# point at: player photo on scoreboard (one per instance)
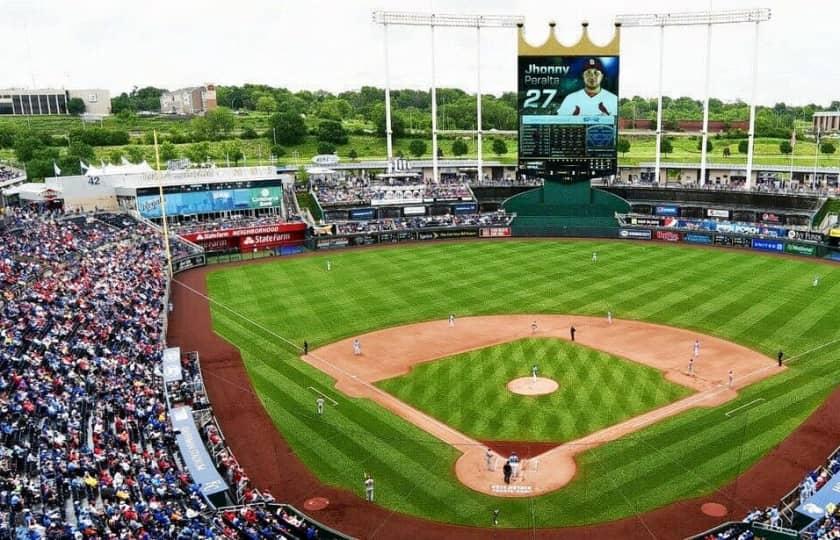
(568, 111)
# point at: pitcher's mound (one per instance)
(528, 386)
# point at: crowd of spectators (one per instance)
(8, 173)
(495, 219)
(87, 447)
(232, 222)
(356, 190)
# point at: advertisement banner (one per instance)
(494, 232)
(645, 221)
(194, 453)
(767, 245)
(204, 202)
(805, 236)
(568, 110)
(799, 249)
(269, 240)
(190, 261)
(203, 236)
(741, 241)
(667, 211)
(634, 234)
(471, 208)
(171, 366)
(441, 235)
(834, 233)
(414, 211)
(667, 236)
(696, 238)
(713, 212)
(723, 240)
(362, 214)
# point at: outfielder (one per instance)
(319, 405)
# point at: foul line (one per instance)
(334, 402)
(744, 405)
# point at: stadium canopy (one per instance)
(319, 170)
(34, 191)
(124, 168)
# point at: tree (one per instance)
(248, 133)
(168, 151)
(326, 148)
(266, 104)
(417, 147)
(199, 152)
(785, 147)
(82, 151)
(278, 151)
(332, 131)
(440, 151)
(26, 146)
(623, 145)
(352, 154)
(827, 148)
(726, 151)
(709, 145)
(459, 147)
(233, 152)
(76, 106)
(288, 127)
(135, 154)
(743, 146)
(667, 146)
(499, 147)
(115, 157)
(220, 121)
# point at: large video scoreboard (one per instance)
(568, 116)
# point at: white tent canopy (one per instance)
(125, 168)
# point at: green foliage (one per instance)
(397, 122)
(326, 147)
(331, 131)
(80, 150)
(278, 151)
(135, 154)
(459, 147)
(666, 146)
(827, 148)
(352, 154)
(289, 127)
(96, 136)
(198, 152)
(248, 133)
(140, 99)
(233, 152)
(743, 146)
(221, 121)
(76, 106)
(417, 147)
(623, 145)
(499, 147)
(168, 151)
(785, 147)
(709, 145)
(266, 104)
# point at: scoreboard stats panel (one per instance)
(568, 116)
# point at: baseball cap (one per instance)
(593, 63)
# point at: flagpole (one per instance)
(792, 150)
(162, 207)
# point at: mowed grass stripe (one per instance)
(726, 293)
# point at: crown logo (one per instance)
(584, 46)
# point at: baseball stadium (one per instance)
(561, 347)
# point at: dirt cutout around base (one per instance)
(532, 386)
(392, 352)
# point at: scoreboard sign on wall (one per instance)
(250, 238)
(568, 109)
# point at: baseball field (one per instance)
(765, 303)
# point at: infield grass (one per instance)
(760, 301)
(468, 391)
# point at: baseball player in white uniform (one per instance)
(696, 349)
(591, 100)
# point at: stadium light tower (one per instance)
(697, 18)
(406, 18)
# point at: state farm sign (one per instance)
(203, 236)
(261, 241)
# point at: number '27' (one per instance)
(532, 98)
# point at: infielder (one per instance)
(357, 347)
(534, 327)
(609, 317)
(731, 377)
(696, 349)
(451, 320)
(488, 458)
(534, 372)
(591, 100)
(691, 366)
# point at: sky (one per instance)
(334, 45)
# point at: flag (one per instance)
(83, 166)
(56, 169)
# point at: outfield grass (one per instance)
(467, 391)
(763, 302)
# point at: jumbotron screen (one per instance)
(568, 116)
